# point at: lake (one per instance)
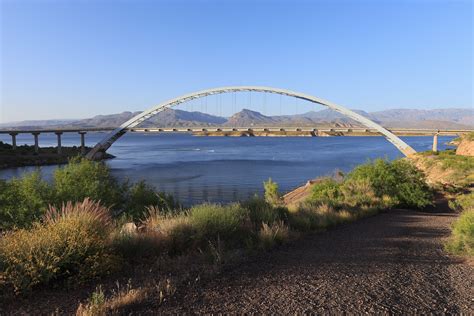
(223, 169)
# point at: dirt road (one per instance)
(393, 262)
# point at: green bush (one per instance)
(82, 178)
(359, 193)
(260, 211)
(400, 180)
(23, 200)
(272, 196)
(327, 190)
(71, 246)
(214, 221)
(141, 195)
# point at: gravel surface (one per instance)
(390, 263)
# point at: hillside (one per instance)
(396, 118)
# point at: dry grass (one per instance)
(71, 246)
(271, 235)
(123, 299)
(87, 210)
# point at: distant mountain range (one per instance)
(401, 118)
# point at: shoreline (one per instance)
(25, 156)
(291, 134)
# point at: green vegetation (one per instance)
(326, 191)
(79, 239)
(213, 221)
(462, 237)
(83, 178)
(271, 192)
(24, 200)
(398, 183)
(448, 168)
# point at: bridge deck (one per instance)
(403, 131)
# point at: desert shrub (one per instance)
(400, 180)
(23, 200)
(314, 217)
(272, 196)
(302, 220)
(462, 237)
(272, 235)
(327, 190)
(136, 246)
(214, 221)
(82, 178)
(141, 195)
(260, 211)
(328, 216)
(463, 202)
(305, 218)
(71, 246)
(176, 229)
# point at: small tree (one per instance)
(272, 196)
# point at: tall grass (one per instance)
(71, 246)
(212, 221)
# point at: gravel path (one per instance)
(390, 263)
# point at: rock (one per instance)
(129, 229)
(466, 146)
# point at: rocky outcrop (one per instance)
(466, 146)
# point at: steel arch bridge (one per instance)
(101, 147)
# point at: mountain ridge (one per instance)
(455, 118)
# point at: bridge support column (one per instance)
(36, 142)
(58, 134)
(435, 143)
(13, 135)
(83, 142)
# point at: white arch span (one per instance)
(107, 141)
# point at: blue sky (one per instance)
(76, 59)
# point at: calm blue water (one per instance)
(223, 169)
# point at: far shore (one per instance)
(292, 133)
(25, 155)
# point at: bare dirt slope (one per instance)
(393, 262)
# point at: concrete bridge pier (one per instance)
(83, 142)
(35, 134)
(58, 134)
(435, 142)
(13, 135)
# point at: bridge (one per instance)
(132, 124)
(356, 130)
(313, 131)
